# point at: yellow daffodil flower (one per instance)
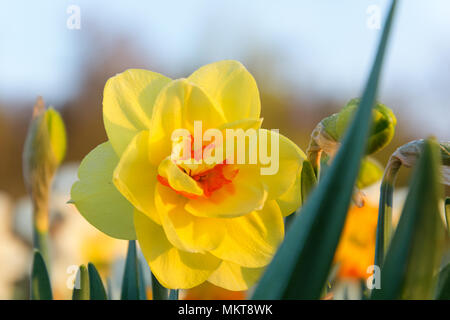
(218, 222)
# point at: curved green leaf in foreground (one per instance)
(300, 267)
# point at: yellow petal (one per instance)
(243, 124)
(177, 107)
(173, 268)
(128, 101)
(252, 240)
(97, 199)
(234, 277)
(178, 179)
(244, 195)
(135, 177)
(291, 200)
(232, 87)
(185, 231)
(290, 162)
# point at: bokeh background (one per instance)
(308, 57)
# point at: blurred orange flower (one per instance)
(356, 248)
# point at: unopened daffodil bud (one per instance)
(327, 136)
(383, 124)
(329, 133)
(408, 154)
(44, 150)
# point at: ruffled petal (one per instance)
(278, 178)
(291, 200)
(183, 230)
(232, 87)
(97, 198)
(245, 194)
(243, 124)
(178, 106)
(234, 277)
(136, 178)
(177, 179)
(251, 240)
(128, 101)
(173, 268)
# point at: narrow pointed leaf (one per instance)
(415, 250)
(130, 282)
(301, 266)
(81, 290)
(443, 288)
(40, 281)
(97, 290)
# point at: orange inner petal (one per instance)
(209, 180)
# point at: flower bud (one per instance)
(330, 131)
(408, 154)
(44, 149)
(382, 127)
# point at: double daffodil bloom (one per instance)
(219, 222)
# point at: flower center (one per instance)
(210, 177)
(215, 178)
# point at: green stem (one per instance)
(314, 154)
(384, 226)
(40, 242)
(40, 231)
(173, 295)
(159, 292)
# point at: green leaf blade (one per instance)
(40, 281)
(97, 290)
(300, 267)
(81, 291)
(443, 288)
(130, 282)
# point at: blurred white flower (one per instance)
(15, 258)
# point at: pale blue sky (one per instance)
(316, 47)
